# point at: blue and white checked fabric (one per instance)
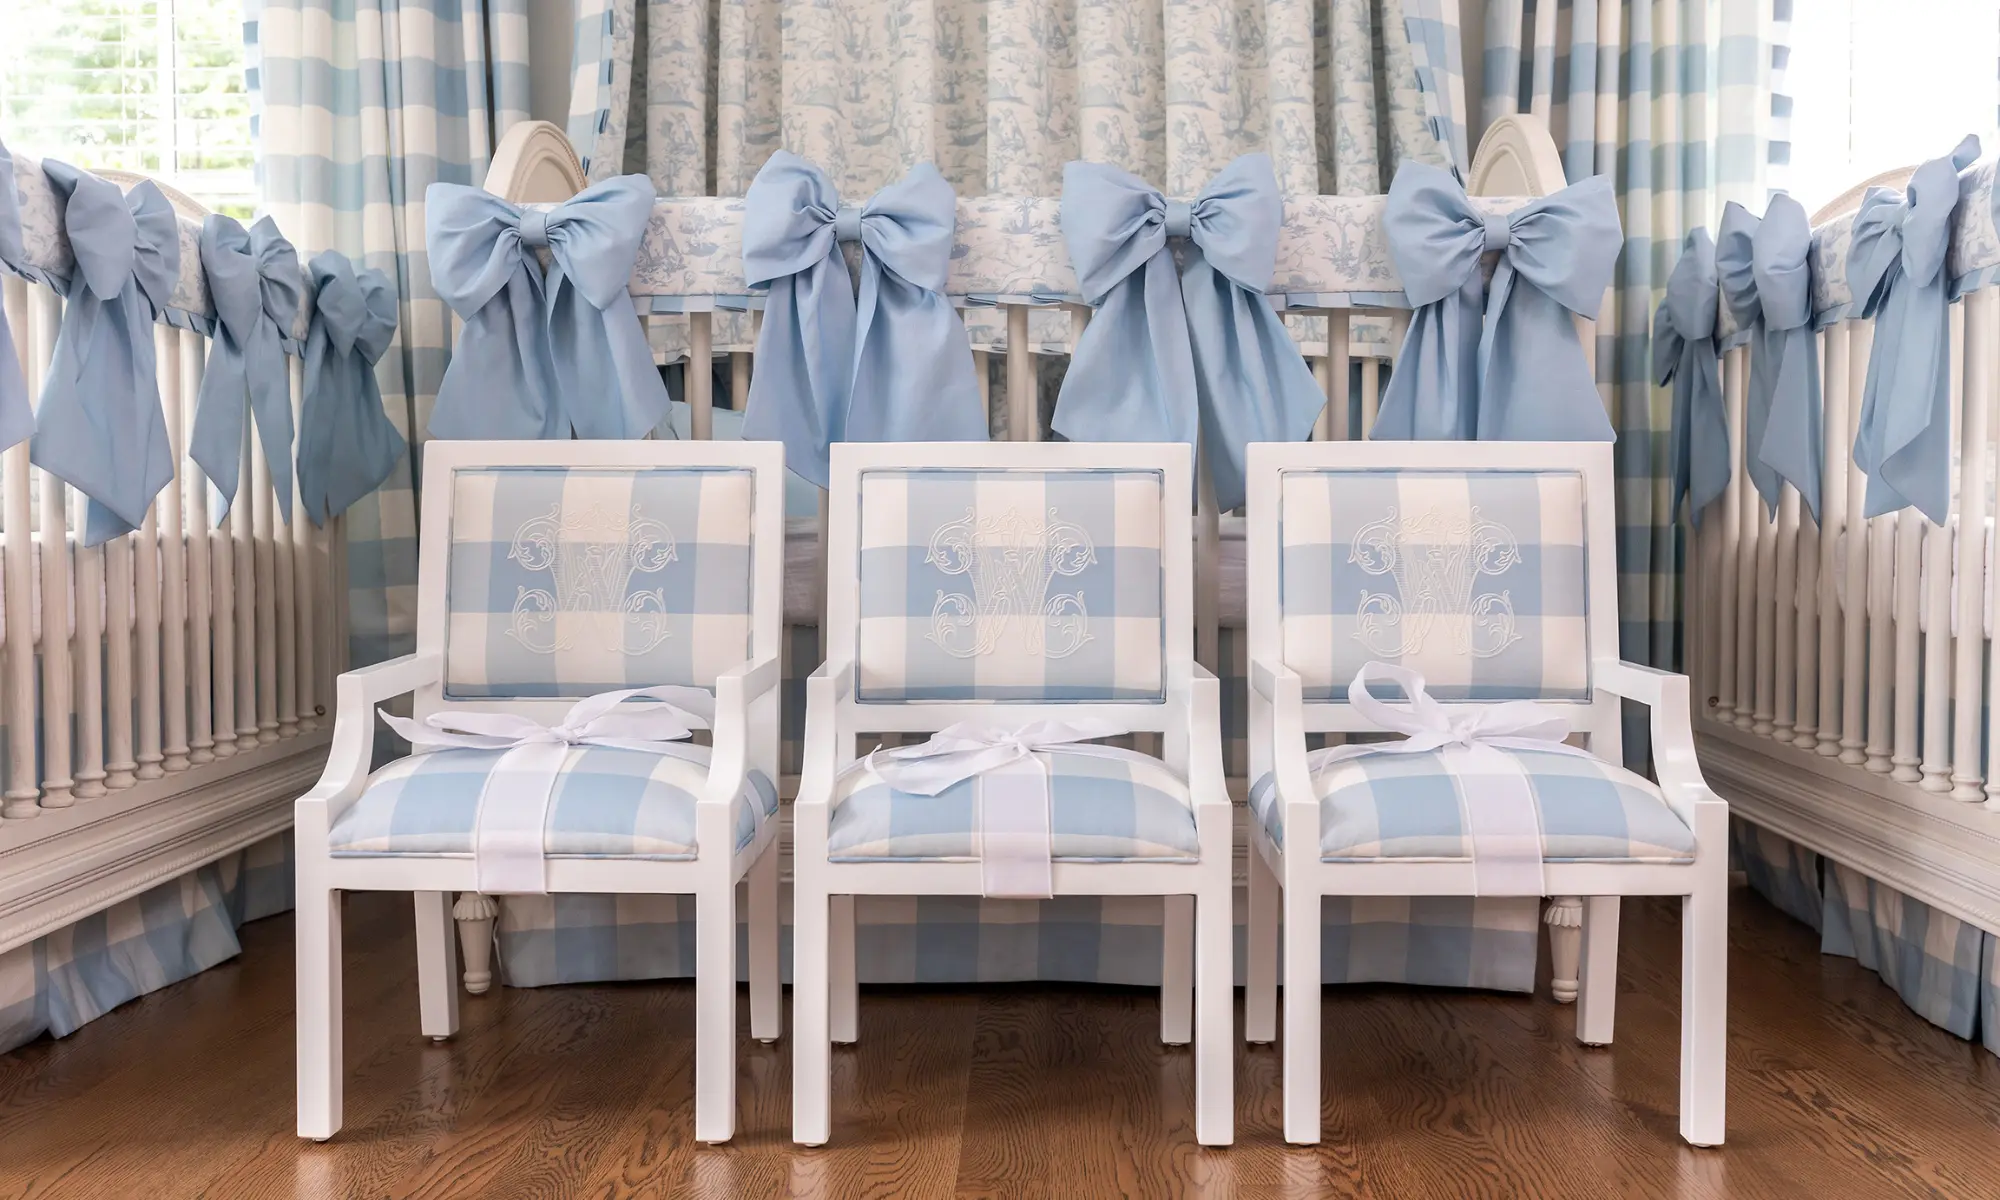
(608, 802)
(574, 581)
(357, 108)
(1011, 585)
(1105, 805)
(1412, 806)
(1931, 959)
(1782, 871)
(1476, 579)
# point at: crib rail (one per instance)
(1864, 642)
(186, 652)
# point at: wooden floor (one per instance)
(1835, 1091)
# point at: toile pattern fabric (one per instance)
(608, 802)
(1412, 807)
(1475, 579)
(1010, 585)
(567, 582)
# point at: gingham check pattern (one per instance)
(1433, 941)
(608, 803)
(357, 108)
(561, 581)
(1117, 806)
(1010, 585)
(1931, 959)
(1412, 806)
(1368, 562)
(168, 933)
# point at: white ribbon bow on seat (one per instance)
(1500, 810)
(1013, 824)
(508, 832)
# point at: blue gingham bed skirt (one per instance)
(65, 979)
(1940, 966)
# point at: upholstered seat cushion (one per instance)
(1407, 806)
(608, 803)
(1117, 807)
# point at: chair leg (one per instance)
(1704, 1004)
(845, 998)
(715, 1013)
(1214, 1042)
(812, 1047)
(437, 965)
(766, 1002)
(1302, 998)
(1260, 982)
(317, 920)
(1597, 997)
(1177, 971)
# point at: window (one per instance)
(152, 86)
(1882, 84)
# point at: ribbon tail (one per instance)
(216, 441)
(1132, 375)
(1792, 436)
(17, 412)
(270, 390)
(508, 849)
(798, 393)
(1503, 820)
(1015, 848)
(913, 378)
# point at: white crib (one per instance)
(162, 693)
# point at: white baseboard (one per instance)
(1926, 845)
(70, 862)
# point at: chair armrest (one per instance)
(356, 694)
(826, 689)
(1200, 695)
(1281, 687)
(729, 757)
(1667, 695)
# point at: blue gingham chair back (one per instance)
(565, 581)
(1010, 584)
(1477, 579)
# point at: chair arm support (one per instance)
(729, 757)
(1667, 695)
(1281, 688)
(356, 694)
(826, 690)
(1201, 703)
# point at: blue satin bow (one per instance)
(347, 444)
(1195, 355)
(1531, 382)
(897, 367)
(100, 427)
(542, 358)
(254, 280)
(1896, 268)
(17, 415)
(1766, 273)
(1684, 355)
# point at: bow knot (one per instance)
(513, 808)
(100, 427)
(1685, 356)
(1191, 352)
(1502, 818)
(894, 366)
(347, 444)
(1013, 810)
(1498, 364)
(1896, 269)
(1765, 270)
(544, 357)
(254, 280)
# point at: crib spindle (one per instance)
(284, 591)
(1785, 614)
(263, 564)
(209, 671)
(305, 632)
(243, 557)
(45, 312)
(120, 767)
(87, 655)
(1725, 656)
(22, 797)
(1938, 606)
(1335, 420)
(1023, 421)
(1856, 672)
(1736, 374)
(1977, 314)
(700, 376)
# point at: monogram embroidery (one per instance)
(1013, 560)
(592, 556)
(1437, 560)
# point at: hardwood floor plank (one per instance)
(1836, 1090)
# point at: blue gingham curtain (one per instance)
(1674, 99)
(359, 105)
